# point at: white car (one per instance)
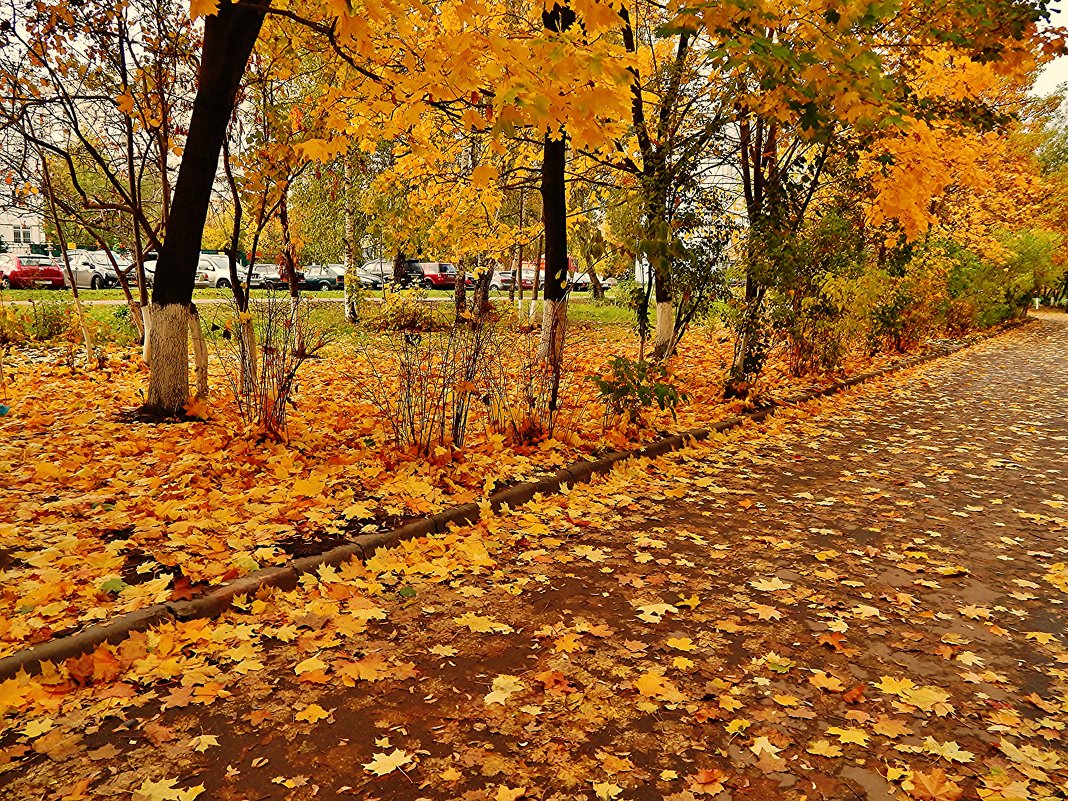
(213, 270)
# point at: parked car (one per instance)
(508, 278)
(25, 271)
(271, 277)
(429, 275)
(370, 280)
(382, 269)
(213, 270)
(580, 282)
(496, 280)
(607, 282)
(324, 277)
(92, 269)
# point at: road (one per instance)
(864, 599)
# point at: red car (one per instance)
(429, 275)
(25, 271)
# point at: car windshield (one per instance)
(448, 269)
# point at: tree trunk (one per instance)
(352, 278)
(596, 287)
(664, 338)
(146, 345)
(200, 351)
(169, 361)
(399, 265)
(289, 259)
(554, 205)
(229, 36)
(743, 367)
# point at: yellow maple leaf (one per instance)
(681, 644)
(825, 681)
(737, 726)
(310, 486)
(892, 686)
(825, 749)
(654, 685)
(312, 713)
(310, 664)
(504, 687)
(203, 742)
(850, 735)
(383, 763)
(203, 8)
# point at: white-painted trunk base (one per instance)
(146, 347)
(665, 329)
(553, 323)
(168, 373)
(200, 352)
(298, 329)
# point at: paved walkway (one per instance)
(861, 601)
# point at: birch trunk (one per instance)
(146, 347)
(200, 352)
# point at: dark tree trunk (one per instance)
(554, 218)
(229, 37)
(400, 265)
(459, 291)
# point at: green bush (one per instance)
(634, 385)
(47, 315)
(626, 294)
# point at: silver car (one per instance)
(92, 269)
(213, 270)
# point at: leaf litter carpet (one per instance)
(863, 598)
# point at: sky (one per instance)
(1056, 72)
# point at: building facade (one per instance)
(20, 229)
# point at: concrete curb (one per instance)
(219, 600)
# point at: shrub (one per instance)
(49, 315)
(627, 294)
(261, 351)
(632, 386)
(423, 383)
(405, 310)
(12, 326)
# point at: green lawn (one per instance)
(47, 315)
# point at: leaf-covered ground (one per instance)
(863, 600)
(103, 514)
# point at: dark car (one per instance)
(23, 271)
(370, 280)
(324, 277)
(429, 275)
(272, 277)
